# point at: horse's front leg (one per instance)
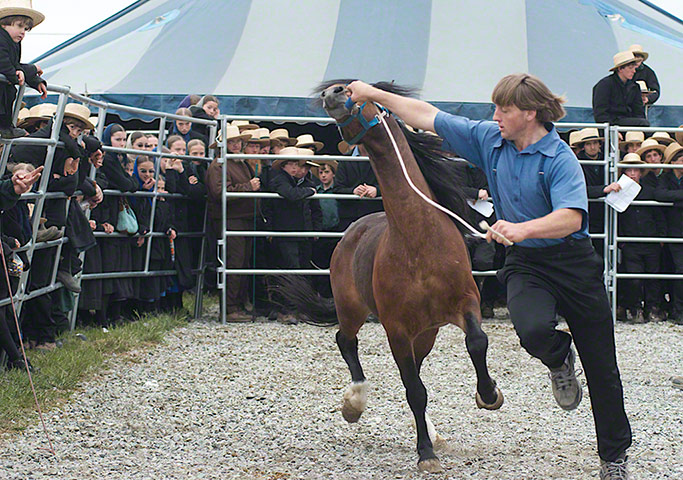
(488, 394)
(416, 393)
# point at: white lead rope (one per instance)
(474, 231)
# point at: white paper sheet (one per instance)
(622, 199)
(482, 206)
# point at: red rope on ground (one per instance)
(23, 352)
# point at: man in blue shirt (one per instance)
(539, 193)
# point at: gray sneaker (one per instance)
(616, 470)
(566, 388)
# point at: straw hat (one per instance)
(41, 111)
(243, 125)
(94, 120)
(231, 132)
(638, 50)
(306, 140)
(21, 117)
(632, 137)
(622, 58)
(679, 136)
(292, 151)
(651, 144)
(662, 137)
(9, 8)
(588, 134)
(574, 137)
(643, 86)
(671, 150)
(332, 163)
(79, 112)
(259, 135)
(632, 158)
(282, 135)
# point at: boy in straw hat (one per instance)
(616, 98)
(670, 189)
(645, 74)
(632, 142)
(640, 221)
(651, 151)
(16, 18)
(552, 266)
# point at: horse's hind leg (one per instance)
(488, 395)
(409, 364)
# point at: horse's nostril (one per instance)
(338, 89)
(322, 94)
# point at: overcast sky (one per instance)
(66, 18)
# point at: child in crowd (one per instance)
(324, 246)
(152, 142)
(183, 128)
(136, 141)
(15, 22)
(206, 109)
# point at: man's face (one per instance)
(265, 149)
(634, 174)
(326, 175)
(633, 147)
(291, 168)
(276, 147)
(17, 30)
(592, 148)
(512, 121)
(234, 145)
(252, 148)
(653, 156)
(627, 71)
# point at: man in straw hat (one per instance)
(540, 197)
(279, 139)
(616, 98)
(651, 151)
(240, 178)
(16, 18)
(670, 189)
(645, 74)
(632, 142)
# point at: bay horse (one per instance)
(408, 265)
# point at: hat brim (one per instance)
(249, 126)
(589, 139)
(316, 145)
(625, 62)
(659, 148)
(260, 141)
(288, 141)
(645, 55)
(664, 140)
(278, 163)
(633, 163)
(34, 15)
(88, 125)
(672, 154)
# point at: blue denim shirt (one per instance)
(542, 178)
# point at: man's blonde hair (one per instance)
(528, 92)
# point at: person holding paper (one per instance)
(640, 298)
(539, 194)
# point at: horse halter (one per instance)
(367, 125)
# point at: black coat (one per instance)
(198, 129)
(670, 189)
(55, 209)
(10, 57)
(595, 188)
(642, 220)
(648, 75)
(618, 103)
(349, 176)
(294, 212)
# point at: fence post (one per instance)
(222, 243)
(612, 213)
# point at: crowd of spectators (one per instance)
(100, 225)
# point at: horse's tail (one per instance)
(296, 292)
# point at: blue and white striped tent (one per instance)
(263, 57)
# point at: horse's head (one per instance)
(353, 120)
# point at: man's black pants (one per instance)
(567, 279)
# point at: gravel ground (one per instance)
(262, 401)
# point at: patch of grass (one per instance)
(61, 371)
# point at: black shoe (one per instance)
(68, 281)
(12, 132)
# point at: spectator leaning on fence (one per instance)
(616, 98)
(15, 22)
(239, 178)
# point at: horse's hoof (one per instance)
(431, 465)
(350, 414)
(490, 406)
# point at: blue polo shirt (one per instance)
(542, 178)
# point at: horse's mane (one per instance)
(443, 176)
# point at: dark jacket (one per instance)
(670, 189)
(618, 103)
(198, 129)
(239, 173)
(642, 220)
(595, 186)
(294, 212)
(349, 176)
(10, 57)
(648, 75)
